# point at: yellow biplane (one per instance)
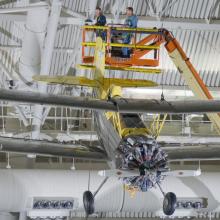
(130, 147)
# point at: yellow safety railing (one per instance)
(147, 47)
(127, 29)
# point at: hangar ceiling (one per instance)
(194, 23)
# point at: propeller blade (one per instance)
(183, 173)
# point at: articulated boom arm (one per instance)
(147, 46)
(191, 76)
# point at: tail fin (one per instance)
(99, 62)
(99, 59)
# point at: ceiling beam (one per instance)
(13, 17)
(180, 23)
(169, 23)
(19, 47)
(22, 9)
(144, 21)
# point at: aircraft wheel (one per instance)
(169, 203)
(88, 202)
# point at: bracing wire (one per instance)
(89, 177)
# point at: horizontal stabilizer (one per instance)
(123, 68)
(83, 81)
(66, 80)
(129, 82)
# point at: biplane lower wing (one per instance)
(193, 153)
(46, 148)
(53, 149)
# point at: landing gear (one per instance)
(88, 202)
(169, 203)
(89, 198)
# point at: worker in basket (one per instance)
(131, 22)
(100, 21)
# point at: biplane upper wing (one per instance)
(116, 105)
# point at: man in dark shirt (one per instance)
(100, 21)
(100, 18)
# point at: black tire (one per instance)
(88, 202)
(169, 203)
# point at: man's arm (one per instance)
(134, 21)
(131, 21)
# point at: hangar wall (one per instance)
(18, 188)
